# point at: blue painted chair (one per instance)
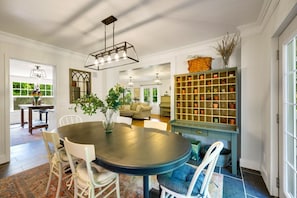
(191, 181)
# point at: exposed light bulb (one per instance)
(96, 62)
(124, 55)
(116, 57)
(108, 59)
(102, 60)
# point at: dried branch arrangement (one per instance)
(226, 46)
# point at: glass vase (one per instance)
(108, 122)
(35, 100)
(226, 61)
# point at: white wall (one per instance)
(260, 92)
(19, 48)
(257, 66)
(4, 111)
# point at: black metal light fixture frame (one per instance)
(117, 55)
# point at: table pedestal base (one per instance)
(146, 187)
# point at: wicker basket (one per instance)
(199, 64)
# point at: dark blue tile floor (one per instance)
(247, 184)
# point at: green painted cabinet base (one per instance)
(212, 131)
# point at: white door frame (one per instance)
(4, 107)
(154, 105)
(287, 35)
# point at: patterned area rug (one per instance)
(32, 184)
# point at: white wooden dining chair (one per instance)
(58, 160)
(69, 119)
(125, 120)
(88, 176)
(155, 125)
(189, 180)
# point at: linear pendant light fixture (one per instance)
(117, 55)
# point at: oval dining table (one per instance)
(131, 149)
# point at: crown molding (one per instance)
(266, 12)
(19, 40)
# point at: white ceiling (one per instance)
(150, 25)
(145, 75)
(23, 68)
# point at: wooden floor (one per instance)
(136, 122)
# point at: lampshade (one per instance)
(117, 55)
(38, 73)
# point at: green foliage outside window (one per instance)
(25, 89)
(155, 95)
(127, 97)
(22, 91)
(146, 94)
(22, 88)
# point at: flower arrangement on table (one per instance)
(89, 104)
(36, 96)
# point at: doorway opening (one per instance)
(25, 86)
(148, 84)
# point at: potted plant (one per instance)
(89, 104)
(226, 46)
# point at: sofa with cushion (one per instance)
(137, 110)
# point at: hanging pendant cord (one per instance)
(113, 34)
(105, 38)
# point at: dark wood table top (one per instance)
(135, 150)
(42, 106)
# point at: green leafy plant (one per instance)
(89, 104)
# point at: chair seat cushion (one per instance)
(102, 177)
(63, 155)
(179, 180)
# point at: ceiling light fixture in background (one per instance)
(157, 80)
(117, 55)
(130, 84)
(38, 73)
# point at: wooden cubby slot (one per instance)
(209, 96)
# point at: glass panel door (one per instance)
(288, 123)
(290, 126)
